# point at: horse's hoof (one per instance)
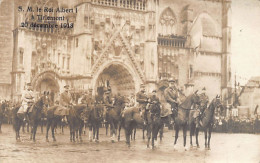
(97, 141)
(148, 146)
(186, 148)
(198, 146)
(47, 140)
(174, 148)
(90, 140)
(54, 140)
(112, 141)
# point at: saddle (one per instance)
(61, 111)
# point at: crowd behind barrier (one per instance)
(235, 125)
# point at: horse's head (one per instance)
(196, 98)
(216, 103)
(45, 100)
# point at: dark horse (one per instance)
(207, 119)
(114, 116)
(34, 116)
(76, 119)
(182, 118)
(133, 117)
(94, 121)
(3, 111)
(52, 121)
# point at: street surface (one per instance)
(224, 148)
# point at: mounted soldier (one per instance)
(65, 97)
(152, 101)
(142, 100)
(28, 98)
(171, 95)
(204, 104)
(65, 103)
(108, 101)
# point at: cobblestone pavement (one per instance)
(224, 148)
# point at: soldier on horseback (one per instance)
(65, 101)
(108, 103)
(27, 100)
(154, 100)
(204, 104)
(171, 95)
(142, 100)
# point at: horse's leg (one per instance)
(35, 129)
(161, 132)
(184, 136)
(106, 126)
(47, 129)
(23, 125)
(148, 135)
(80, 132)
(41, 126)
(209, 137)
(176, 135)
(119, 129)
(143, 131)
(127, 135)
(112, 131)
(90, 132)
(134, 133)
(53, 126)
(97, 132)
(0, 127)
(197, 137)
(28, 127)
(205, 133)
(94, 131)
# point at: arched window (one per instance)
(167, 22)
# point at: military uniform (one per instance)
(64, 103)
(154, 100)
(108, 103)
(204, 102)
(65, 99)
(142, 99)
(27, 100)
(171, 96)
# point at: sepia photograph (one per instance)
(129, 81)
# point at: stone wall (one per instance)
(6, 40)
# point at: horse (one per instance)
(3, 111)
(76, 119)
(182, 118)
(94, 121)
(133, 117)
(114, 116)
(34, 116)
(52, 121)
(207, 122)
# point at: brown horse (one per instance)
(94, 121)
(114, 116)
(76, 119)
(207, 119)
(52, 121)
(34, 116)
(182, 118)
(133, 117)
